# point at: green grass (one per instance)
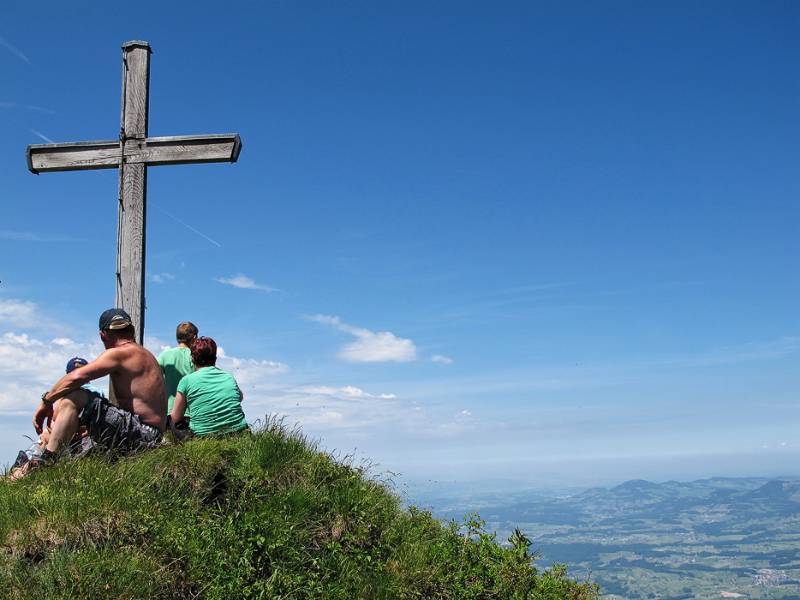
(262, 515)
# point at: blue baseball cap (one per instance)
(74, 363)
(114, 318)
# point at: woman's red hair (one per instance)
(204, 352)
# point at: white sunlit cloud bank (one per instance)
(29, 366)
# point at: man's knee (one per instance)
(78, 398)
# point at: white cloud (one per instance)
(347, 391)
(18, 313)
(370, 346)
(29, 366)
(24, 314)
(30, 363)
(154, 344)
(320, 409)
(161, 277)
(441, 359)
(251, 372)
(462, 423)
(245, 283)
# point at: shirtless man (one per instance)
(138, 387)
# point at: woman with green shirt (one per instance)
(211, 395)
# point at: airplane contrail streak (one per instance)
(43, 136)
(14, 50)
(189, 227)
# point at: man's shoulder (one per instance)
(132, 352)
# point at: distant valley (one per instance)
(712, 538)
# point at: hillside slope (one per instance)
(251, 516)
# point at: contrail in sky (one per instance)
(14, 50)
(189, 227)
(41, 109)
(43, 136)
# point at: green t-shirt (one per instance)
(214, 399)
(175, 363)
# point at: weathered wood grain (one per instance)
(132, 153)
(73, 156)
(105, 154)
(183, 150)
(133, 187)
(131, 245)
(137, 85)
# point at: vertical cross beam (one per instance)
(132, 208)
(132, 153)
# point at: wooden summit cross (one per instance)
(131, 154)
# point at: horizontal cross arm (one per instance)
(185, 149)
(73, 156)
(151, 151)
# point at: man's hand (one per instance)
(43, 416)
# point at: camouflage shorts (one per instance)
(114, 428)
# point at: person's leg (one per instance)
(65, 427)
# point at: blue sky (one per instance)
(536, 241)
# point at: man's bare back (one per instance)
(138, 383)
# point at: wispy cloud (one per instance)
(28, 236)
(160, 277)
(539, 299)
(14, 50)
(186, 225)
(347, 391)
(244, 282)
(18, 313)
(740, 353)
(370, 346)
(42, 136)
(441, 359)
(24, 314)
(33, 107)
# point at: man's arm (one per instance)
(103, 365)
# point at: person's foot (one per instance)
(45, 459)
(22, 458)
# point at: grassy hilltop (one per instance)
(251, 516)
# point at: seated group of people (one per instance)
(182, 390)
